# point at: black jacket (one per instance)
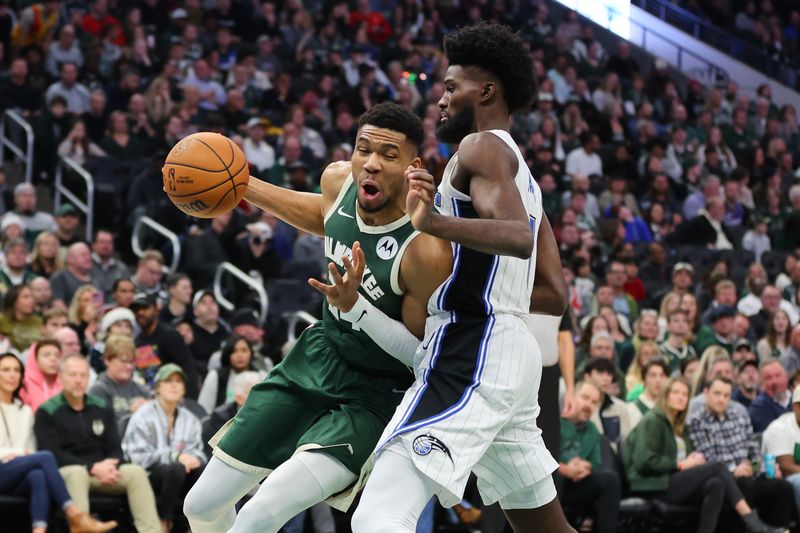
(166, 345)
(75, 437)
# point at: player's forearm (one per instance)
(390, 335)
(299, 209)
(566, 358)
(497, 237)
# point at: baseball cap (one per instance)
(245, 317)
(142, 299)
(722, 311)
(743, 343)
(297, 165)
(796, 394)
(747, 362)
(260, 229)
(166, 371)
(66, 209)
(179, 13)
(200, 294)
(545, 96)
(682, 265)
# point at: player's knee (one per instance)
(365, 520)
(199, 506)
(256, 516)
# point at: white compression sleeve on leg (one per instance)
(394, 497)
(305, 479)
(209, 506)
(391, 335)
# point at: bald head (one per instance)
(79, 259)
(69, 341)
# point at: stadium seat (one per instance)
(773, 263)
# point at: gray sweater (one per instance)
(118, 396)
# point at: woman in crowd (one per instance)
(645, 329)
(18, 322)
(710, 357)
(42, 379)
(23, 470)
(116, 385)
(83, 315)
(45, 257)
(78, 146)
(776, 340)
(659, 462)
(634, 382)
(595, 324)
(622, 342)
(117, 321)
(689, 368)
(166, 439)
(688, 302)
(217, 389)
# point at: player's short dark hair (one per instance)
(498, 50)
(397, 118)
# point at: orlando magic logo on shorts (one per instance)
(425, 444)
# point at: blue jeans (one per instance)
(35, 475)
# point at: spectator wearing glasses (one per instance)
(116, 386)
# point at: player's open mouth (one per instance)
(442, 118)
(369, 191)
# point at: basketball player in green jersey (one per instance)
(311, 425)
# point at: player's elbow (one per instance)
(523, 248)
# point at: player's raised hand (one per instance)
(343, 293)
(419, 200)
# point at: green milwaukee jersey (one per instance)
(383, 249)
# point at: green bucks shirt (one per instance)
(383, 249)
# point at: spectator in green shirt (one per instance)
(581, 481)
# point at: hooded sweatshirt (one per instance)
(37, 389)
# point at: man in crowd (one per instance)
(614, 418)
(720, 332)
(722, 435)
(582, 483)
(106, 269)
(774, 399)
(676, 348)
(77, 272)
(178, 306)
(209, 331)
(782, 439)
(791, 358)
(148, 274)
(158, 343)
(725, 293)
(748, 380)
(82, 434)
(15, 271)
(245, 322)
(34, 221)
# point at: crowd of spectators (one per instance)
(675, 207)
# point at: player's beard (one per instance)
(456, 127)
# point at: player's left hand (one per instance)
(343, 294)
(419, 201)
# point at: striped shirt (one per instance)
(727, 439)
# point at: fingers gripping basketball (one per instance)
(205, 175)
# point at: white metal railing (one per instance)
(263, 299)
(147, 222)
(88, 206)
(25, 154)
(295, 317)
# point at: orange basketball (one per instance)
(205, 175)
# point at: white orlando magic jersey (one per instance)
(484, 284)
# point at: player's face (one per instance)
(457, 104)
(379, 161)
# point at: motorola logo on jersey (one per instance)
(425, 444)
(387, 247)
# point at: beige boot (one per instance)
(83, 523)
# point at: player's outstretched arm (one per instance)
(503, 227)
(550, 295)
(305, 211)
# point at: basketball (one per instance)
(205, 175)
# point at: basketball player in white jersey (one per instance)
(473, 405)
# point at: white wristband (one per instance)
(391, 335)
